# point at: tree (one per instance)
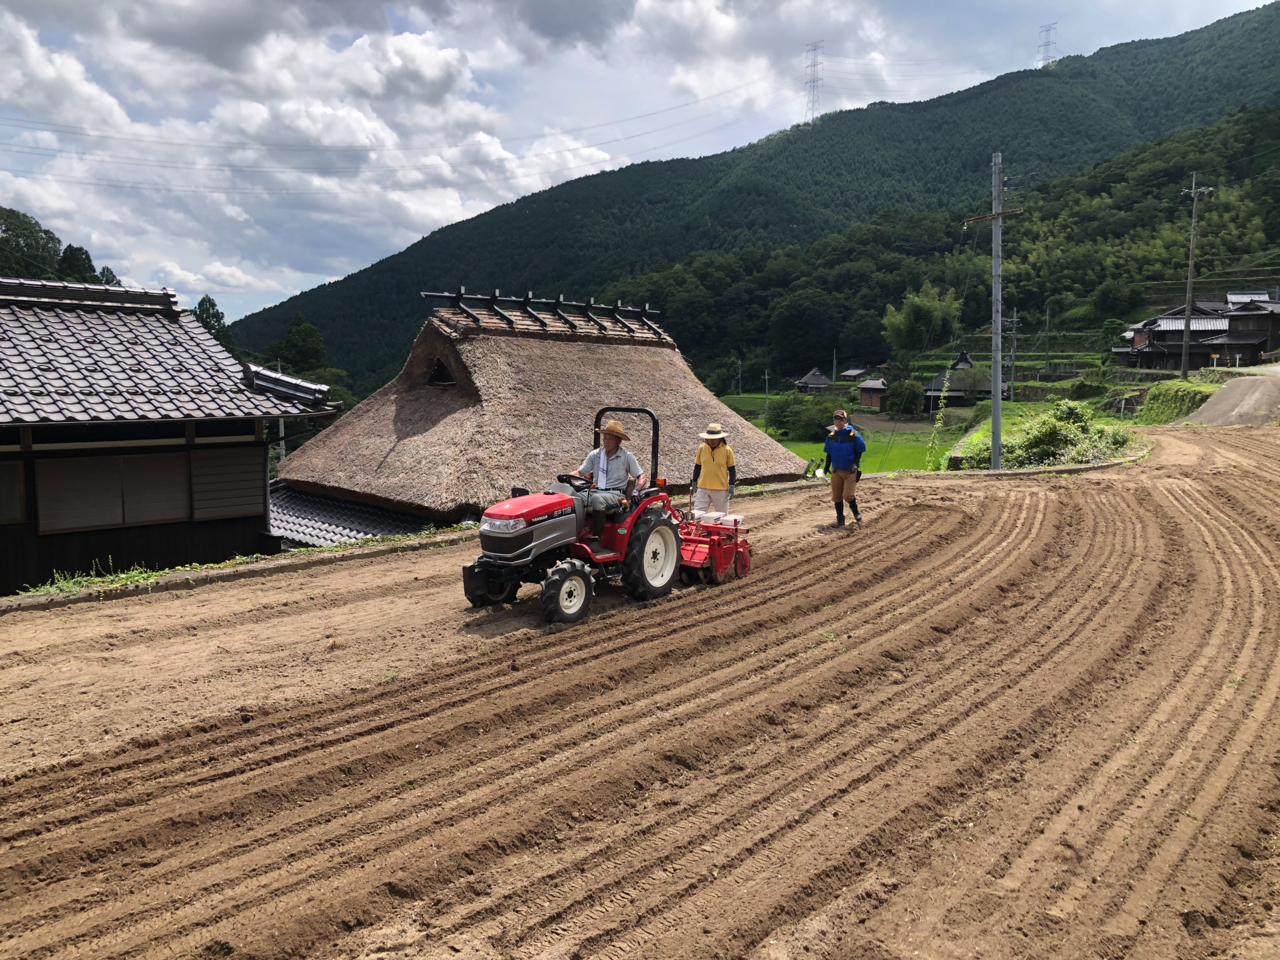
(1113, 299)
(804, 328)
(338, 382)
(1108, 337)
(1111, 331)
(215, 321)
(28, 249)
(906, 397)
(924, 320)
(108, 277)
(303, 345)
(75, 264)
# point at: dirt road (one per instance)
(1005, 719)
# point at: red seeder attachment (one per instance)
(715, 548)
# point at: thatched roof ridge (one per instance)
(518, 412)
(468, 314)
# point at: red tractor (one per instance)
(544, 538)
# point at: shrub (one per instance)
(977, 455)
(1171, 400)
(906, 397)
(1082, 390)
(1071, 411)
(1066, 434)
(1044, 441)
(803, 417)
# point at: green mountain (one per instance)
(1086, 249)
(798, 184)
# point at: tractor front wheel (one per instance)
(653, 556)
(567, 592)
(495, 594)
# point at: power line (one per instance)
(885, 60)
(23, 123)
(813, 85)
(54, 153)
(260, 192)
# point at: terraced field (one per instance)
(1005, 718)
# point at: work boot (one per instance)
(857, 514)
(597, 530)
(839, 515)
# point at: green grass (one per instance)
(886, 450)
(904, 452)
(112, 579)
(1171, 400)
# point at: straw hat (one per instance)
(614, 427)
(714, 432)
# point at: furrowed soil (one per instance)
(1004, 718)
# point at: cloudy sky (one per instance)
(251, 149)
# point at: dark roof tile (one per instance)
(321, 521)
(140, 357)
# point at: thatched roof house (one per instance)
(500, 391)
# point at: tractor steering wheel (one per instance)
(579, 484)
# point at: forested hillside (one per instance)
(1087, 248)
(799, 184)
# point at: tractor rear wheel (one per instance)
(567, 592)
(653, 556)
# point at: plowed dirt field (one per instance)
(1004, 719)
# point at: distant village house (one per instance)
(874, 393)
(1234, 332)
(812, 382)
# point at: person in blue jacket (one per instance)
(844, 449)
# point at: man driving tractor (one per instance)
(610, 467)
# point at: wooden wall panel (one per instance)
(228, 483)
(11, 493)
(79, 493)
(157, 488)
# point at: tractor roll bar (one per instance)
(595, 437)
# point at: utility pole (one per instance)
(1196, 193)
(833, 366)
(280, 423)
(1046, 341)
(739, 378)
(996, 216)
(766, 402)
(997, 375)
(1013, 357)
(813, 82)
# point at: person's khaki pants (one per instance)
(844, 485)
(712, 501)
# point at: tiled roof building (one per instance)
(128, 435)
(1236, 331)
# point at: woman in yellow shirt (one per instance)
(715, 472)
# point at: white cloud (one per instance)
(256, 149)
(226, 277)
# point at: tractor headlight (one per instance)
(497, 525)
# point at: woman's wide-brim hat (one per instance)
(714, 432)
(614, 427)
